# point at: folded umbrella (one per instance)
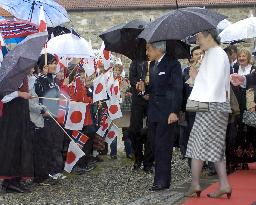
(70, 45)
(240, 30)
(29, 10)
(18, 62)
(181, 23)
(123, 39)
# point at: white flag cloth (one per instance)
(106, 56)
(99, 89)
(104, 126)
(76, 116)
(42, 21)
(114, 109)
(89, 66)
(73, 155)
(112, 134)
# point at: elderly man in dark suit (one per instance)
(165, 99)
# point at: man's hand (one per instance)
(237, 79)
(172, 118)
(146, 97)
(25, 95)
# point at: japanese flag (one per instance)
(115, 91)
(106, 56)
(114, 109)
(73, 155)
(100, 90)
(42, 21)
(104, 126)
(112, 134)
(76, 116)
(89, 66)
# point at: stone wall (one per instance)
(91, 23)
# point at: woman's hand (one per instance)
(237, 79)
(193, 72)
(25, 95)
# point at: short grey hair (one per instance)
(160, 45)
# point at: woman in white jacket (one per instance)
(207, 138)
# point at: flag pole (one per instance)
(51, 115)
(55, 99)
(45, 54)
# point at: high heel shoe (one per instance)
(220, 193)
(192, 191)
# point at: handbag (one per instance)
(249, 118)
(196, 106)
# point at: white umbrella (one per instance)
(224, 24)
(70, 45)
(240, 30)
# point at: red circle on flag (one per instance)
(111, 134)
(106, 54)
(70, 157)
(113, 109)
(76, 117)
(116, 90)
(99, 88)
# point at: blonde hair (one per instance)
(247, 53)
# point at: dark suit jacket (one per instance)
(137, 72)
(165, 90)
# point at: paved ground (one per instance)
(112, 183)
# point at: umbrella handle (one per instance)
(45, 54)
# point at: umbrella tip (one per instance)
(177, 5)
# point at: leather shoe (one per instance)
(11, 188)
(148, 170)
(136, 167)
(158, 188)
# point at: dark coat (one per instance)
(165, 90)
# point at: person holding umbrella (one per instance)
(207, 138)
(165, 99)
(16, 143)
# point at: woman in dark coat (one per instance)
(16, 146)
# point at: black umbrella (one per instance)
(60, 30)
(18, 62)
(123, 39)
(181, 23)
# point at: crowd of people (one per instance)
(200, 109)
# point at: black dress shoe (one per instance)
(136, 167)
(11, 188)
(158, 188)
(148, 170)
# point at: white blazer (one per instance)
(212, 83)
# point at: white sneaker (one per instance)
(58, 176)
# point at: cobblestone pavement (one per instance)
(112, 182)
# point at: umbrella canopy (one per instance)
(18, 62)
(29, 10)
(240, 30)
(123, 39)
(17, 28)
(70, 45)
(181, 23)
